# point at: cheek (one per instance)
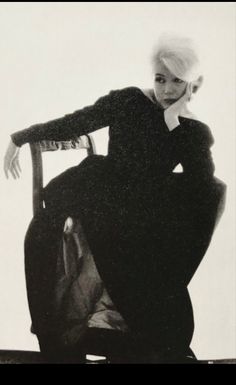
(158, 89)
(181, 90)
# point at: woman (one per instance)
(147, 227)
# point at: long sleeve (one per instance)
(193, 196)
(196, 158)
(80, 122)
(190, 143)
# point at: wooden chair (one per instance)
(83, 142)
(37, 148)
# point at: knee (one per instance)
(44, 229)
(39, 229)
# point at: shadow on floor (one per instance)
(31, 357)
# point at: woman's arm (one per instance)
(195, 154)
(189, 140)
(190, 145)
(80, 122)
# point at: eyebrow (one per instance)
(157, 74)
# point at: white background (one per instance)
(59, 57)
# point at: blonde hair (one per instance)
(179, 55)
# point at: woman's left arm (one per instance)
(195, 152)
(190, 145)
(190, 140)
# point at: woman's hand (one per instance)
(172, 113)
(11, 160)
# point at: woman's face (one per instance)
(167, 87)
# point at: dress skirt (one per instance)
(148, 234)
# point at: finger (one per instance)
(6, 172)
(184, 98)
(5, 168)
(18, 164)
(190, 89)
(188, 92)
(185, 95)
(13, 173)
(15, 170)
(11, 169)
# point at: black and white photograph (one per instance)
(117, 209)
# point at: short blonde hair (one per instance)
(179, 55)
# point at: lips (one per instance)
(169, 101)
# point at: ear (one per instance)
(197, 84)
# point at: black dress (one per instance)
(148, 228)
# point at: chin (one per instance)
(162, 105)
(167, 104)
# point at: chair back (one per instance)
(37, 148)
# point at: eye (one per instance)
(179, 81)
(159, 79)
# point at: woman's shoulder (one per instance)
(126, 99)
(197, 130)
(126, 92)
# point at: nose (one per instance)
(168, 89)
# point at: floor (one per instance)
(30, 357)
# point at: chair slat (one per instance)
(37, 148)
(81, 142)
